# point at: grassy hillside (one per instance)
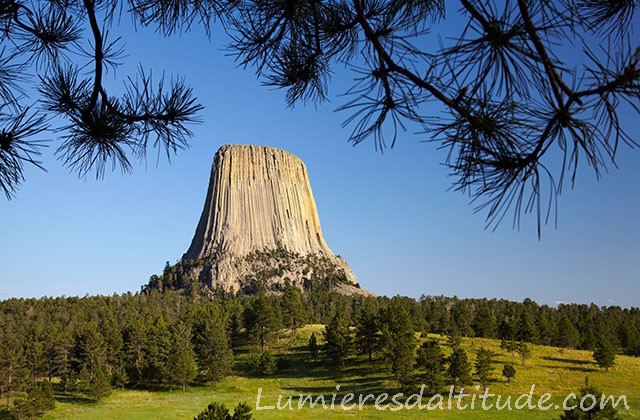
(550, 369)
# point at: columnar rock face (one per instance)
(260, 225)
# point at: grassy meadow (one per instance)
(553, 370)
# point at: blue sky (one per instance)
(389, 215)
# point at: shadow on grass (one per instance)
(570, 361)
(571, 368)
(75, 399)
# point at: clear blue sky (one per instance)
(390, 216)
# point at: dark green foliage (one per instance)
(214, 411)
(242, 412)
(459, 369)
(568, 335)
(484, 366)
(508, 371)
(264, 363)
(338, 339)
(484, 321)
(508, 345)
(430, 362)
(94, 377)
(462, 318)
(596, 412)
(368, 329)
(261, 321)
(453, 339)
(157, 346)
(312, 346)
(35, 402)
(526, 329)
(212, 344)
(605, 354)
(14, 376)
(136, 349)
(293, 314)
(398, 342)
(93, 343)
(181, 362)
(217, 411)
(523, 350)
(60, 354)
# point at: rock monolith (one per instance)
(260, 226)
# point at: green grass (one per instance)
(550, 369)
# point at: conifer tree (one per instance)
(313, 346)
(430, 361)
(484, 321)
(94, 376)
(261, 321)
(459, 369)
(598, 411)
(523, 350)
(60, 354)
(157, 347)
(292, 308)
(181, 367)
(399, 342)
(338, 339)
(605, 354)
(484, 361)
(368, 330)
(568, 335)
(212, 346)
(242, 412)
(508, 371)
(14, 375)
(135, 347)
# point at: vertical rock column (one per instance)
(259, 200)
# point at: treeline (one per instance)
(171, 339)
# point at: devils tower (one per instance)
(260, 227)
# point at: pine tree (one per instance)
(212, 346)
(261, 321)
(338, 339)
(523, 350)
(508, 371)
(459, 369)
(135, 347)
(242, 412)
(597, 411)
(399, 342)
(527, 330)
(265, 363)
(484, 362)
(182, 368)
(462, 317)
(367, 330)
(313, 346)
(157, 347)
(217, 411)
(568, 335)
(605, 354)
(94, 376)
(14, 376)
(484, 321)
(36, 349)
(292, 308)
(430, 361)
(214, 411)
(60, 355)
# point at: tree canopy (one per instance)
(522, 94)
